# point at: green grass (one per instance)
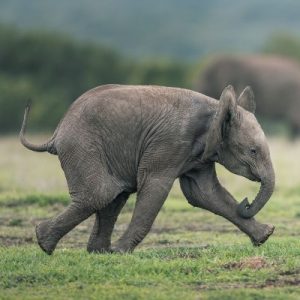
(189, 254)
(158, 273)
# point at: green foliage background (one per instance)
(54, 70)
(65, 48)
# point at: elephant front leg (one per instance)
(202, 189)
(150, 199)
(100, 239)
(222, 203)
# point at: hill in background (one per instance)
(171, 28)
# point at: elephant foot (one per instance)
(43, 237)
(99, 249)
(98, 244)
(122, 249)
(267, 232)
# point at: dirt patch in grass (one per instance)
(267, 285)
(8, 241)
(254, 263)
(227, 228)
(285, 278)
(282, 281)
(158, 230)
(290, 272)
(73, 242)
(279, 281)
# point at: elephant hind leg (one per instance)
(49, 232)
(87, 197)
(100, 239)
(91, 188)
(84, 204)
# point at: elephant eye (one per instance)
(253, 151)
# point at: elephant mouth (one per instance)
(255, 178)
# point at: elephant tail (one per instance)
(47, 146)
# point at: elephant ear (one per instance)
(224, 118)
(246, 100)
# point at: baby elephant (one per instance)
(116, 140)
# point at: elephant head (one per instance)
(236, 140)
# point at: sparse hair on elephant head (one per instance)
(236, 140)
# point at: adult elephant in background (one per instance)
(275, 80)
(116, 140)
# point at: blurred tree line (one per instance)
(53, 70)
(283, 44)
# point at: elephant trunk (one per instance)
(247, 210)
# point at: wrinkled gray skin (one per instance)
(116, 140)
(275, 80)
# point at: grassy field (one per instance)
(189, 254)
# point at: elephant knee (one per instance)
(194, 202)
